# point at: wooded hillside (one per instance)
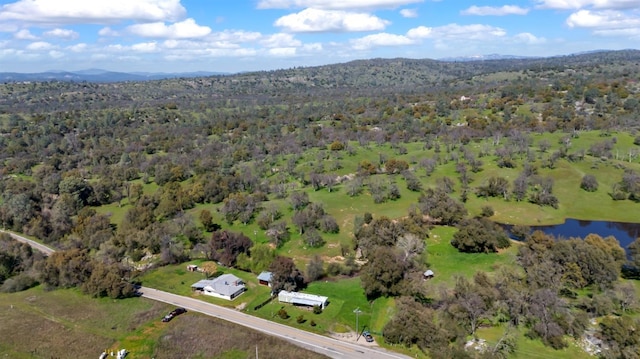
(345, 169)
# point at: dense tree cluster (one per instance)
(285, 275)
(225, 247)
(75, 268)
(17, 261)
(438, 205)
(480, 236)
(394, 253)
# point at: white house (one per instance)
(304, 299)
(226, 286)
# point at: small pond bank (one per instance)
(625, 233)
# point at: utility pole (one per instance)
(357, 311)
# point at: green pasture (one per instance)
(345, 296)
(532, 349)
(447, 263)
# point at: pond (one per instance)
(625, 233)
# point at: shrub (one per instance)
(328, 224)
(334, 269)
(336, 146)
(589, 183)
(487, 211)
(317, 309)
(520, 232)
(312, 323)
(18, 283)
(283, 314)
(300, 319)
(313, 238)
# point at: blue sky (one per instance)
(233, 36)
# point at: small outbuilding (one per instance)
(303, 299)
(264, 278)
(428, 274)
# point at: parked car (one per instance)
(367, 336)
(178, 311)
(173, 314)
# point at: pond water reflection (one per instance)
(625, 233)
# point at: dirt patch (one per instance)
(328, 259)
(351, 338)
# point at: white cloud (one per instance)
(630, 33)
(455, 31)
(495, 11)
(145, 47)
(529, 39)
(334, 4)
(98, 57)
(24, 34)
(280, 41)
(420, 32)
(81, 47)
(596, 4)
(197, 45)
(315, 20)
(603, 20)
(115, 48)
(179, 30)
(186, 55)
(313, 47)
(235, 36)
(39, 46)
(107, 31)
(11, 53)
(7, 27)
(91, 12)
(409, 13)
(62, 34)
(381, 39)
(282, 51)
(56, 54)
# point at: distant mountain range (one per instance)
(487, 57)
(98, 75)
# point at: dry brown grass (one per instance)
(198, 336)
(68, 324)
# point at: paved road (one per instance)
(324, 345)
(330, 347)
(41, 247)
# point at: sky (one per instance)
(247, 35)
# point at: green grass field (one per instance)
(447, 263)
(533, 349)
